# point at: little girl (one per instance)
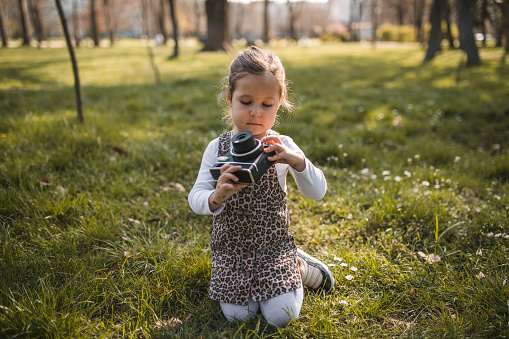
(256, 265)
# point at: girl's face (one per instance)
(254, 104)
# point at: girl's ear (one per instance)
(228, 97)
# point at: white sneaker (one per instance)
(315, 274)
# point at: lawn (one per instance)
(97, 238)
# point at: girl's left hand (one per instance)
(283, 154)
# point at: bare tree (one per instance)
(108, 20)
(146, 30)
(218, 36)
(23, 22)
(435, 33)
(76, 23)
(294, 10)
(447, 18)
(419, 6)
(466, 32)
(94, 29)
(175, 28)
(161, 19)
(3, 33)
(77, 85)
(33, 7)
(266, 21)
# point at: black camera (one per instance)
(247, 152)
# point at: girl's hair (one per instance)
(255, 61)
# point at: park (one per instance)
(98, 240)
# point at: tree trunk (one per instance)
(94, 31)
(108, 18)
(24, 25)
(77, 85)
(291, 20)
(374, 19)
(33, 7)
(161, 19)
(175, 28)
(447, 16)
(218, 36)
(419, 6)
(505, 24)
(3, 33)
(76, 23)
(266, 21)
(435, 33)
(466, 32)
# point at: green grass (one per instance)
(100, 243)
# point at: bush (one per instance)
(397, 33)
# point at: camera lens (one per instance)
(243, 142)
(245, 146)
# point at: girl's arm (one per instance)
(205, 185)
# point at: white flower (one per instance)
(457, 159)
(490, 234)
(338, 259)
(397, 178)
(425, 183)
(349, 277)
(343, 302)
(331, 265)
(353, 268)
(365, 171)
(344, 264)
(386, 173)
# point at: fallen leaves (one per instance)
(430, 259)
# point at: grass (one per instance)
(97, 239)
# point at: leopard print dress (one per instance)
(253, 252)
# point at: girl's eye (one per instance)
(267, 105)
(245, 102)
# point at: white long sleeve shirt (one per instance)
(311, 181)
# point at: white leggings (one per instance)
(278, 311)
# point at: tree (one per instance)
(161, 19)
(218, 36)
(77, 85)
(419, 6)
(293, 13)
(76, 23)
(94, 30)
(435, 33)
(266, 21)
(108, 20)
(33, 7)
(466, 32)
(24, 25)
(3, 33)
(175, 28)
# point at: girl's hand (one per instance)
(226, 186)
(283, 154)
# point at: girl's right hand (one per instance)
(226, 186)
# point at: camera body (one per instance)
(246, 151)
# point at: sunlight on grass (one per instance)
(97, 239)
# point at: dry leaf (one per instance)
(115, 268)
(120, 150)
(130, 252)
(62, 190)
(134, 221)
(414, 292)
(480, 275)
(421, 254)
(479, 252)
(172, 323)
(45, 180)
(433, 258)
(174, 186)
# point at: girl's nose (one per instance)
(255, 111)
